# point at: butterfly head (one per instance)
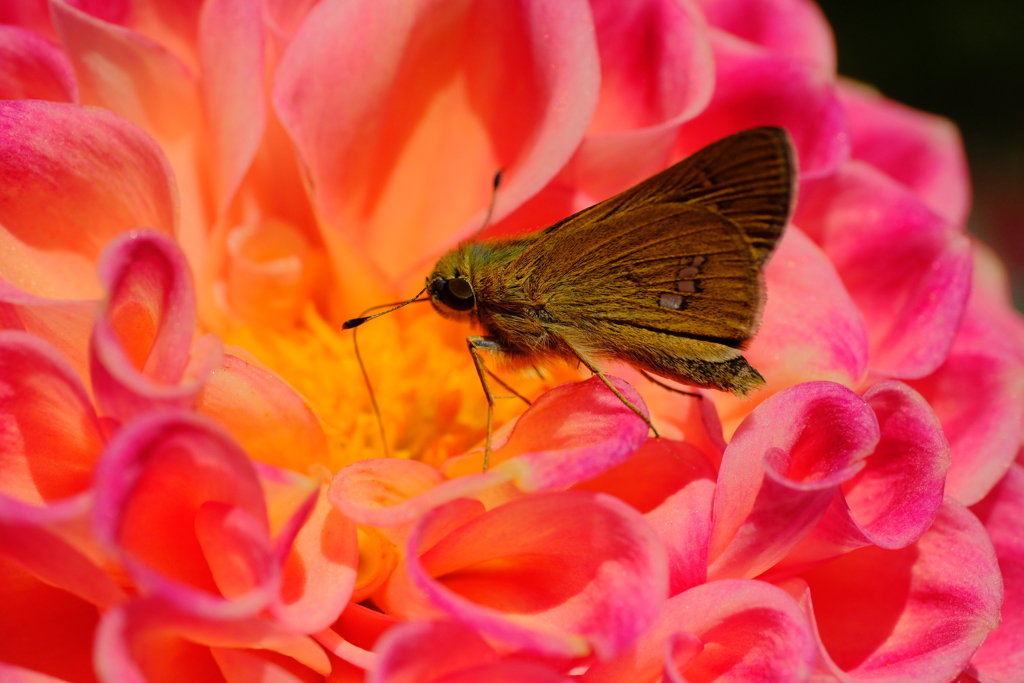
(450, 289)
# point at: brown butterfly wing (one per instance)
(671, 268)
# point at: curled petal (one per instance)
(31, 68)
(141, 351)
(922, 151)
(183, 475)
(781, 470)
(749, 630)
(593, 581)
(672, 484)
(917, 613)
(127, 72)
(86, 175)
(421, 652)
(908, 273)
(656, 72)
(754, 87)
(1000, 659)
(791, 28)
(569, 434)
(416, 97)
(895, 498)
(272, 421)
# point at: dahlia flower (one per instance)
(194, 196)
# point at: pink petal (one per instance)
(231, 53)
(181, 474)
(16, 674)
(439, 92)
(31, 68)
(656, 72)
(126, 72)
(978, 394)
(791, 28)
(422, 652)
(750, 631)
(754, 87)
(672, 484)
(272, 421)
(111, 177)
(895, 498)
(64, 324)
(922, 151)
(31, 14)
(908, 273)
(45, 629)
(569, 434)
(918, 613)
(1000, 659)
(781, 470)
(142, 355)
(594, 580)
(319, 572)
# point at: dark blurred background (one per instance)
(963, 59)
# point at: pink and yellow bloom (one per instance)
(193, 196)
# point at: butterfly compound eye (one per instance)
(458, 294)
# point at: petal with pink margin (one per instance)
(128, 73)
(922, 151)
(908, 272)
(785, 463)
(917, 613)
(84, 174)
(592, 582)
(272, 421)
(672, 484)
(1000, 659)
(481, 86)
(757, 88)
(141, 351)
(895, 498)
(656, 72)
(231, 54)
(182, 474)
(31, 68)
(750, 630)
(978, 394)
(811, 329)
(428, 651)
(789, 28)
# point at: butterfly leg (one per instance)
(654, 380)
(625, 401)
(475, 343)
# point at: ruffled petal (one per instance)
(907, 271)
(895, 498)
(781, 470)
(656, 72)
(593, 581)
(750, 631)
(31, 68)
(183, 475)
(272, 421)
(922, 151)
(918, 613)
(402, 129)
(1000, 659)
(791, 28)
(84, 174)
(754, 87)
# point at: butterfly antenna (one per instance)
(490, 207)
(351, 325)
